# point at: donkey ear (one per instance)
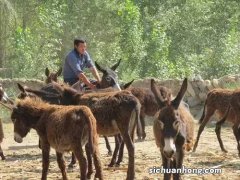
(157, 94)
(21, 88)
(125, 86)
(100, 68)
(175, 103)
(47, 72)
(114, 67)
(59, 71)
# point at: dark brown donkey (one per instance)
(217, 101)
(115, 112)
(64, 128)
(173, 130)
(51, 76)
(148, 102)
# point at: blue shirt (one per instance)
(75, 64)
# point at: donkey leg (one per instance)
(218, 133)
(178, 162)
(201, 128)
(108, 145)
(45, 160)
(89, 160)
(1, 153)
(39, 144)
(97, 163)
(130, 147)
(78, 151)
(116, 150)
(73, 161)
(236, 133)
(120, 155)
(142, 120)
(61, 165)
(165, 164)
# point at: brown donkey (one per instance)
(64, 128)
(232, 114)
(51, 76)
(217, 101)
(115, 112)
(173, 130)
(148, 102)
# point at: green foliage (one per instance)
(164, 39)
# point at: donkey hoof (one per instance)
(111, 165)
(3, 158)
(117, 165)
(225, 151)
(109, 153)
(99, 177)
(71, 166)
(89, 174)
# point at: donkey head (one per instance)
(109, 78)
(52, 76)
(171, 126)
(46, 93)
(24, 117)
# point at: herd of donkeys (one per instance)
(67, 119)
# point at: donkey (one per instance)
(173, 129)
(64, 128)
(51, 76)
(232, 114)
(217, 101)
(115, 112)
(149, 105)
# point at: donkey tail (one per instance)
(203, 114)
(91, 123)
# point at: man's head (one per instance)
(80, 45)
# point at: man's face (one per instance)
(81, 48)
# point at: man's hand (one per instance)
(92, 86)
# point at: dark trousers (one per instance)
(71, 81)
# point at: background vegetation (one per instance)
(159, 38)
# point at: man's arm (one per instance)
(85, 80)
(95, 73)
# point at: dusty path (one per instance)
(24, 160)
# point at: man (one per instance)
(76, 61)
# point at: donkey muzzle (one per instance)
(18, 138)
(169, 147)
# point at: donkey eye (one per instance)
(108, 78)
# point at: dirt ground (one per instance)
(24, 160)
